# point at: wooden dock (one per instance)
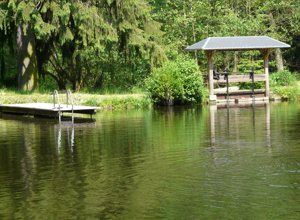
(46, 109)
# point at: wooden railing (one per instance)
(240, 78)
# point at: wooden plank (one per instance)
(241, 78)
(240, 92)
(245, 104)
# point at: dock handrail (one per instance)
(69, 101)
(70, 96)
(55, 98)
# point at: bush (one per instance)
(47, 85)
(282, 78)
(288, 92)
(176, 82)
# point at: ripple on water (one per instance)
(153, 164)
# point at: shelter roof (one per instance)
(238, 43)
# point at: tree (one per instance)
(68, 40)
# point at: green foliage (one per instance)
(47, 85)
(119, 102)
(248, 85)
(288, 92)
(186, 22)
(176, 82)
(88, 44)
(114, 45)
(284, 84)
(282, 78)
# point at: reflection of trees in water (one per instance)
(104, 169)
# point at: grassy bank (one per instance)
(120, 101)
(123, 101)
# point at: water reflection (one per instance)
(232, 119)
(158, 164)
(68, 127)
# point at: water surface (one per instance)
(178, 163)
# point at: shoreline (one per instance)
(104, 102)
(115, 101)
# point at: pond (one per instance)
(172, 163)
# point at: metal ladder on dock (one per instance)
(57, 105)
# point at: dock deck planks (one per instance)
(45, 109)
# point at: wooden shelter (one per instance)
(212, 44)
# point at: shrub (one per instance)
(282, 78)
(47, 85)
(288, 92)
(176, 82)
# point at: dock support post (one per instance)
(210, 66)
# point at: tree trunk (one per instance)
(61, 84)
(2, 63)
(26, 59)
(78, 75)
(278, 54)
(2, 69)
(279, 59)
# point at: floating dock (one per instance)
(46, 109)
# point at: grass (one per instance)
(136, 100)
(109, 101)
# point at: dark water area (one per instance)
(178, 163)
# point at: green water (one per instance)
(158, 164)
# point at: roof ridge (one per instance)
(238, 43)
(207, 40)
(237, 36)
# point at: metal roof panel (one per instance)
(237, 43)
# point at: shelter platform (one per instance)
(211, 45)
(45, 109)
(240, 94)
(242, 100)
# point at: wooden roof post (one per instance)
(210, 66)
(266, 53)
